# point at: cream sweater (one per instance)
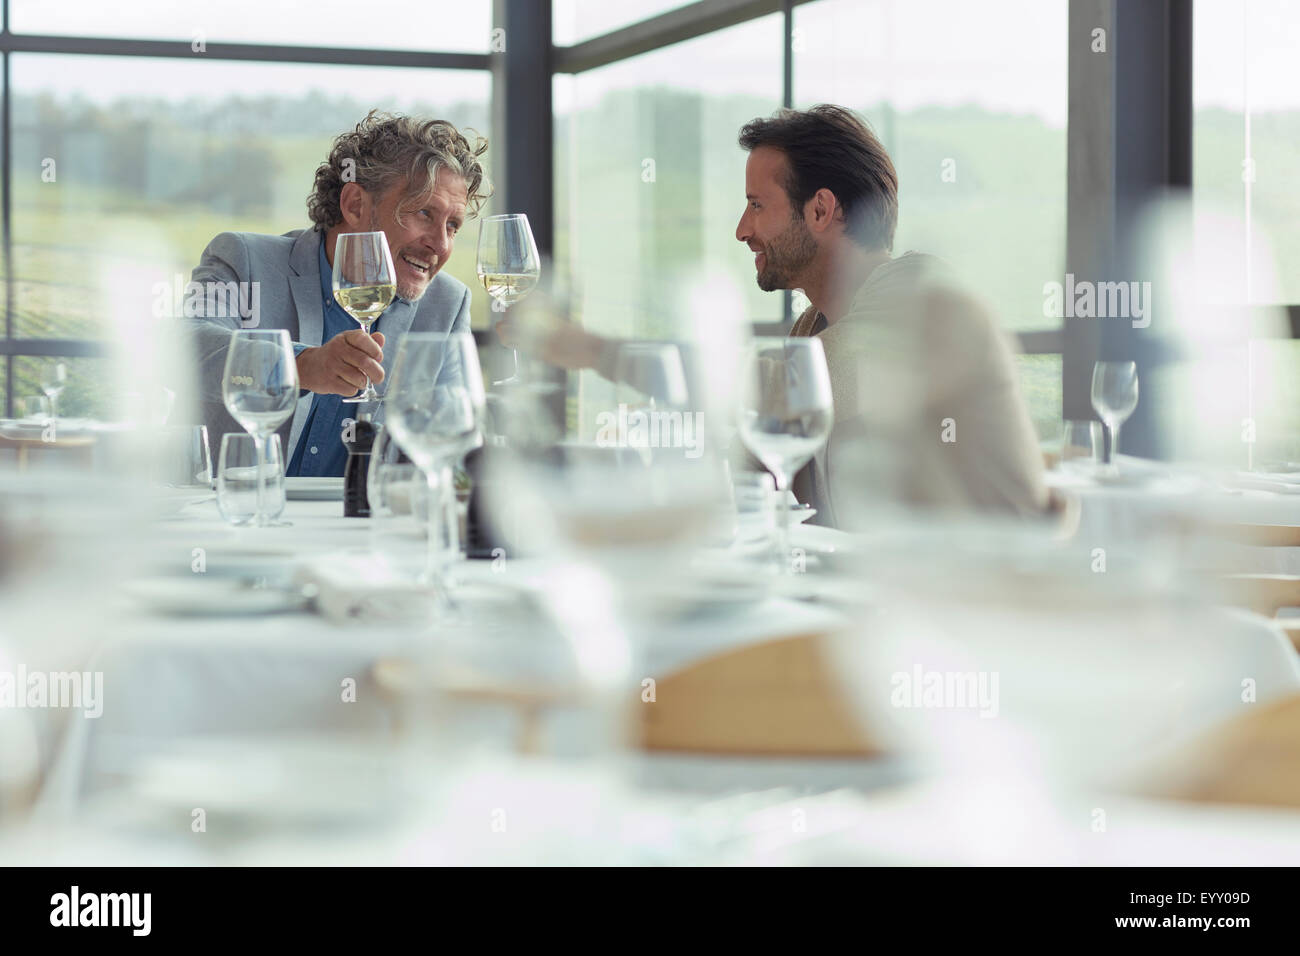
(928, 412)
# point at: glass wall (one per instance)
(970, 101)
(125, 167)
(650, 184)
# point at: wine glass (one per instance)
(1114, 396)
(508, 266)
(260, 389)
(54, 378)
(651, 388)
(364, 285)
(786, 413)
(435, 413)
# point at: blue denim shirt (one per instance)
(320, 450)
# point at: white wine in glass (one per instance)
(364, 285)
(508, 265)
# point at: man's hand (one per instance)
(340, 366)
(554, 341)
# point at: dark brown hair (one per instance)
(829, 147)
(384, 151)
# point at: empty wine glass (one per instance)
(34, 407)
(240, 470)
(54, 378)
(364, 285)
(1114, 396)
(260, 390)
(652, 398)
(786, 413)
(508, 266)
(435, 412)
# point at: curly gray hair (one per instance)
(386, 150)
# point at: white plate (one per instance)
(211, 595)
(298, 488)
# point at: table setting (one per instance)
(490, 642)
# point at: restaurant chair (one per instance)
(773, 699)
(778, 698)
(397, 679)
(1259, 535)
(1253, 759)
(1264, 594)
(79, 449)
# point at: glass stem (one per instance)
(259, 450)
(450, 512)
(1114, 443)
(440, 480)
(782, 525)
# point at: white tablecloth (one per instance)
(1166, 510)
(169, 678)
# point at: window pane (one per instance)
(441, 25)
(109, 165)
(573, 21)
(1040, 387)
(970, 100)
(1246, 136)
(650, 182)
(90, 388)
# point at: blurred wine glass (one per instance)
(1081, 447)
(786, 413)
(54, 378)
(1114, 396)
(364, 285)
(508, 266)
(435, 412)
(651, 397)
(260, 390)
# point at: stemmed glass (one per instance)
(651, 381)
(260, 389)
(508, 266)
(435, 412)
(1114, 396)
(364, 285)
(786, 413)
(54, 378)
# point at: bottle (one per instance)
(356, 504)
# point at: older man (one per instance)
(417, 181)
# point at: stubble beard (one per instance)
(787, 255)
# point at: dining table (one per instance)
(235, 652)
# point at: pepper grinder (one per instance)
(356, 504)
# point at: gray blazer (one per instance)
(287, 272)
